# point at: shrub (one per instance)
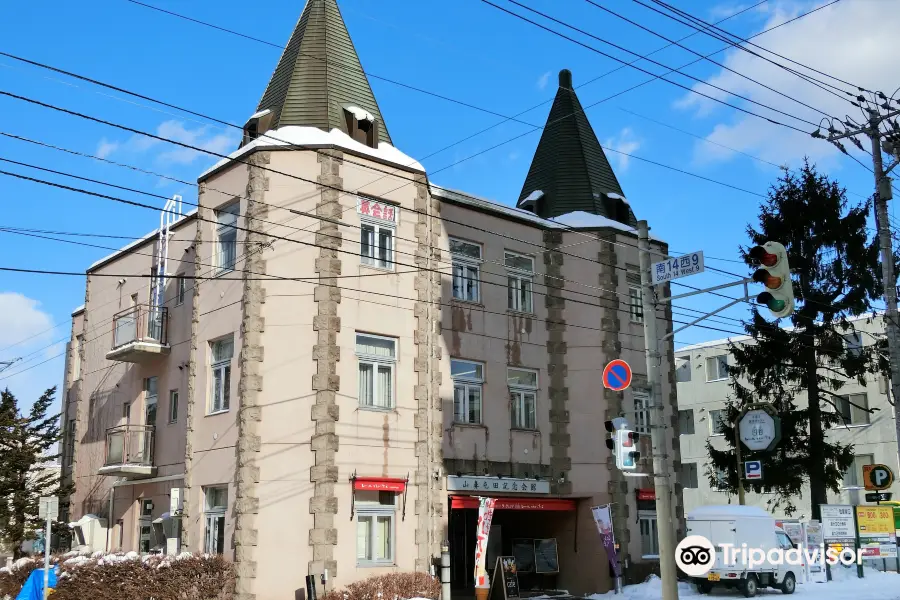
(132, 577)
(394, 586)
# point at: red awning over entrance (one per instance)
(379, 484)
(515, 503)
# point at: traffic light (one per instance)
(775, 274)
(627, 455)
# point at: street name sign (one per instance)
(759, 427)
(676, 267)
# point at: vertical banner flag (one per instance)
(603, 520)
(485, 515)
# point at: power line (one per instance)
(675, 83)
(694, 52)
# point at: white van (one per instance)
(739, 525)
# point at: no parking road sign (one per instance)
(617, 375)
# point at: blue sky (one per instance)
(463, 49)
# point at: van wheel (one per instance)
(704, 587)
(789, 584)
(750, 586)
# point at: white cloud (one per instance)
(543, 80)
(725, 10)
(105, 148)
(623, 144)
(203, 136)
(21, 318)
(850, 40)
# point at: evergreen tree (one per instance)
(28, 443)
(836, 276)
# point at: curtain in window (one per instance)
(374, 346)
(384, 387)
(226, 387)
(217, 389)
(383, 539)
(459, 403)
(474, 404)
(528, 408)
(363, 536)
(525, 296)
(366, 243)
(366, 384)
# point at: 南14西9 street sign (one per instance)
(675, 267)
(759, 427)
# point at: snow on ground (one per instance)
(844, 586)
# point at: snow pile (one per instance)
(312, 137)
(876, 585)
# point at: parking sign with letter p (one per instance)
(753, 469)
(877, 477)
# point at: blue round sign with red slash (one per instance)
(617, 375)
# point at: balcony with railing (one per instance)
(140, 334)
(129, 451)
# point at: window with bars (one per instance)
(519, 275)
(466, 258)
(635, 306)
(377, 357)
(468, 379)
(641, 412)
(376, 244)
(221, 352)
(226, 237)
(523, 386)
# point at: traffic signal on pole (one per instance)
(775, 274)
(627, 454)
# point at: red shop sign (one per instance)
(648, 494)
(555, 504)
(378, 210)
(379, 484)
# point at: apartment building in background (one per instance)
(704, 386)
(342, 356)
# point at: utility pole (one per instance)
(740, 466)
(871, 127)
(665, 521)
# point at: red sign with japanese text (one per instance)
(379, 484)
(376, 210)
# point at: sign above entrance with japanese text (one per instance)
(376, 210)
(478, 483)
(676, 267)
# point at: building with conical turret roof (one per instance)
(337, 357)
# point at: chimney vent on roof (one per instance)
(565, 79)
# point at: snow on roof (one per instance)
(573, 220)
(313, 137)
(259, 114)
(535, 195)
(728, 511)
(78, 310)
(360, 114)
(138, 242)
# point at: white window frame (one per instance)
(173, 406)
(712, 421)
(369, 245)
(719, 376)
(467, 384)
(373, 514)
(641, 411)
(517, 396)
(463, 267)
(214, 517)
(377, 362)
(852, 399)
(224, 227)
(220, 368)
(648, 519)
(635, 306)
(519, 281)
(857, 472)
(180, 289)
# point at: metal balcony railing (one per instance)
(130, 445)
(141, 323)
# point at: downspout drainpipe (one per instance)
(109, 518)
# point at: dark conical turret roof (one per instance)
(319, 74)
(570, 167)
